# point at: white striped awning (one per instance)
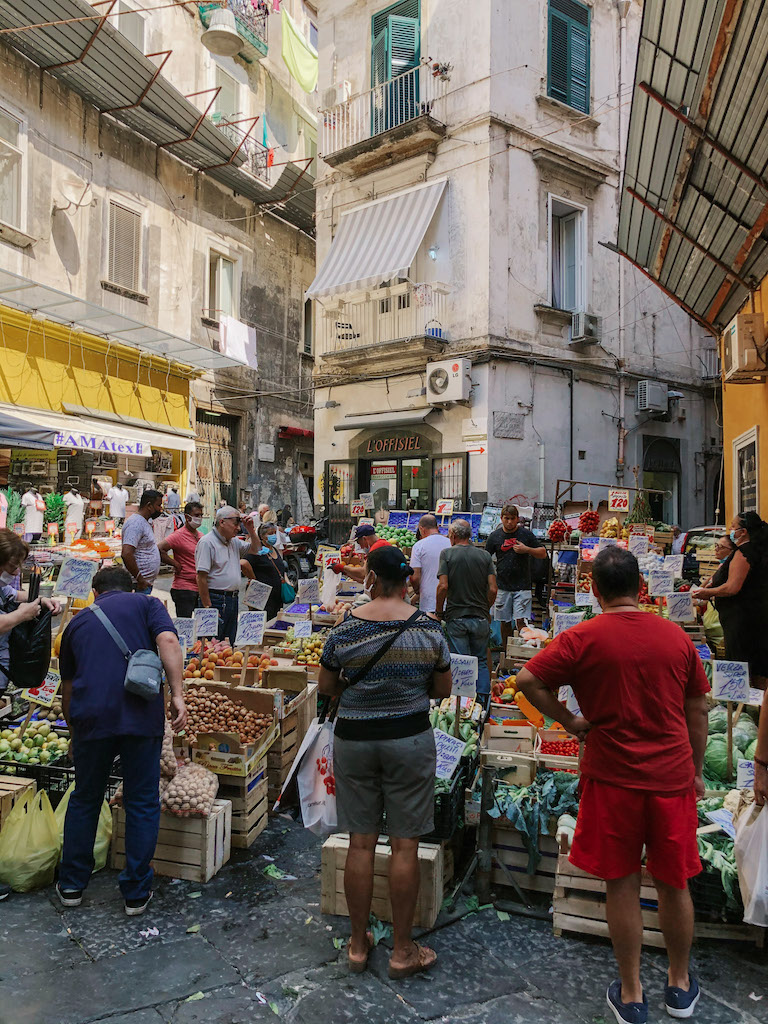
(378, 241)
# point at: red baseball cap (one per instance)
(380, 544)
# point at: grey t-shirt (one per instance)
(139, 534)
(467, 569)
(220, 560)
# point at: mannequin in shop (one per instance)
(75, 510)
(117, 498)
(33, 504)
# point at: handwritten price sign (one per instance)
(250, 629)
(680, 607)
(257, 594)
(463, 675)
(661, 582)
(745, 774)
(564, 620)
(186, 630)
(45, 692)
(309, 591)
(357, 508)
(449, 750)
(367, 499)
(618, 500)
(75, 578)
(638, 544)
(206, 621)
(675, 563)
(589, 600)
(303, 630)
(730, 681)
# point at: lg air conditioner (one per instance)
(449, 380)
(652, 397)
(586, 329)
(745, 352)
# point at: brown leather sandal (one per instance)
(358, 966)
(426, 959)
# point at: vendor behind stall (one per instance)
(365, 535)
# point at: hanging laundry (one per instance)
(299, 56)
(270, 157)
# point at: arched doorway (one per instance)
(661, 471)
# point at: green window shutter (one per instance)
(403, 45)
(568, 54)
(579, 83)
(380, 58)
(558, 57)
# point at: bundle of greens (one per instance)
(55, 510)
(15, 514)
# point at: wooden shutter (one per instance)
(124, 247)
(579, 69)
(380, 59)
(568, 53)
(403, 45)
(558, 57)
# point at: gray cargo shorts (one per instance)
(396, 776)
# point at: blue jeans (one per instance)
(470, 635)
(140, 760)
(226, 601)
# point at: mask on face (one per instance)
(272, 538)
(264, 551)
(7, 578)
(368, 587)
(732, 535)
(195, 522)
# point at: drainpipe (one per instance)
(623, 6)
(542, 457)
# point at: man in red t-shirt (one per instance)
(642, 691)
(182, 543)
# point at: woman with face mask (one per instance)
(182, 543)
(267, 566)
(384, 663)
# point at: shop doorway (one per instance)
(661, 471)
(339, 486)
(216, 458)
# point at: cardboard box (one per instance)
(512, 737)
(291, 678)
(230, 756)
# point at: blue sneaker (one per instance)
(626, 1013)
(680, 1002)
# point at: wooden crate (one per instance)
(248, 825)
(191, 848)
(508, 849)
(435, 870)
(11, 790)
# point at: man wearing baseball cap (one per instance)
(365, 535)
(217, 561)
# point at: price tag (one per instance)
(638, 544)
(18, 529)
(588, 600)
(661, 582)
(675, 563)
(618, 499)
(641, 530)
(745, 774)
(367, 499)
(75, 578)
(45, 692)
(90, 526)
(186, 630)
(250, 629)
(53, 529)
(206, 621)
(365, 522)
(564, 620)
(257, 594)
(109, 526)
(680, 608)
(755, 697)
(309, 591)
(606, 542)
(449, 750)
(357, 508)
(463, 675)
(724, 819)
(303, 630)
(444, 507)
(730, 681)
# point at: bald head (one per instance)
(427, 525)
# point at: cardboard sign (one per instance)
(186, 630)
(367, 499)
(53, 529)
(638, 544)
(449, 750)
(618, 499)
(724, 819)
(303, 630)
(463, 675)
(730, 681)
(250, 629)
(75, 578)
(589, 600)
(257, 594)
(309, 591)
(606, 542)
(18, 529)
(680, 608)
(745, 774)
(45, 692)
(444, 507)
(357, 508)
(640, 529)
(564, 620)
(755, 697)
(206, 621)
(661, 582)
(675, 563)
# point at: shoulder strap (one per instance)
(361, 673)
(124, 650)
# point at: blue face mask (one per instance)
(272, 538)
(732, 535)
(264, 551)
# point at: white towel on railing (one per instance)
(238, 340)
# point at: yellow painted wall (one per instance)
(746, 406)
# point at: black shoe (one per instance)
(5, 892)
(69, 897)
(135, 907)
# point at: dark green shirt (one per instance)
(467, 569)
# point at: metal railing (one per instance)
(391, 314)
(385, 106)
(256, 155)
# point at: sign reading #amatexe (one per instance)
(101, 443)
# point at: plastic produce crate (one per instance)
(448, 808)
(709, 899)
(56, 779)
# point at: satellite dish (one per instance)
(74, 191)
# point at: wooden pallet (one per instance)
(435, 870)
(191, 848)
(13, 789)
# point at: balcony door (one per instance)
(395, 50)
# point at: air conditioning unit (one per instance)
(651, 396)
(745, 352)
(450, 380)
(338, 93)
(586, 329)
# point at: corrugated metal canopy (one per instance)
(293, 194)
(92, 319)
(694, 206)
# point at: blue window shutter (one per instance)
(579, 68)
(403, 45)
(558, 56)
(568, 55)
(380, 58)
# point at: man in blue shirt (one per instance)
(105, 721)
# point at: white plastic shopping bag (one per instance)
(316, 782)
(751, 851)
(331, 581)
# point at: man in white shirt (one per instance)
(677, 542)
(425, 559)
(117, 498)
(172, 499)
(217, 560)
(140, 553)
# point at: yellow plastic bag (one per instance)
(103, 830)
(29, 844)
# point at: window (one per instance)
(227, 102)
(396, 39)
(11, 170)
(308, 327)
(124, 247)
(131, 25)
(222, 286)
(746, 472)
(568, 53)
(313, 34)
(567, 255)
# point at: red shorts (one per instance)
(615, 823)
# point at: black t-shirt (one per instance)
(270, 571)
(513, 571)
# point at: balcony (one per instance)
(710, 364)
(391, 122)
(403, 321)
(256, 156)
(251, 18)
